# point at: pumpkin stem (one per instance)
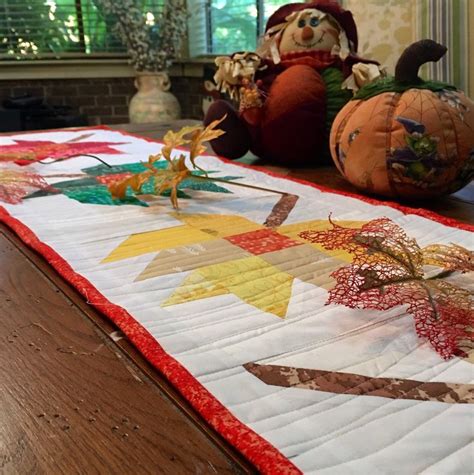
(417, 54)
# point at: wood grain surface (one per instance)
(71, 400)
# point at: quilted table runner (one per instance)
(316, 331)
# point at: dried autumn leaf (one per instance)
(119, 189)
(172, 182)
(177, 139)
(387, 271)
(179, 164)
(204, 135)
(177, 171)
(152, 159)
(453, 257)
(15, 185)
(164, 179)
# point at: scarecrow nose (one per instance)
(307, 33)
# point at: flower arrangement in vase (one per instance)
(152, 49)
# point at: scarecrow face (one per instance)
(309, 30)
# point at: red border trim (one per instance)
(255, 448)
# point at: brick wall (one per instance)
(103, 100)
(190, 92)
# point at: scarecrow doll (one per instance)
(290, 90)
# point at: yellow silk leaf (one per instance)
(204, 135)
(170, 180)
(176, 139)
(119, 189)
(177, 170)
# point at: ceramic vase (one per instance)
(153, 102)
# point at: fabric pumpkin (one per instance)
(403, 137)
(290, 91)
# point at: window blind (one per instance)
(236, 25)
(226, 26)
(62, 28)
(198, 27)
(73, 28)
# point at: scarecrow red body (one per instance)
(291, 126)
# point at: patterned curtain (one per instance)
(386, 27)
(446, 21)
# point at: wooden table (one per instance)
(76, 397)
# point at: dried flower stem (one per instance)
(233, 183)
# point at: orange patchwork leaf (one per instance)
(24, 152)
(387, 271)
(15, 185)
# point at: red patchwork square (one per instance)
(112, 177)
(262, 241)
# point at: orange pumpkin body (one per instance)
(414, 144)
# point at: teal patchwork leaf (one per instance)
(100, 195)
(181, 194)
(100, 170)
(88, 190)
(202, 186)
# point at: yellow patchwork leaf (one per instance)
(195, 287)
(154, 241)
(251, 279)
(219, 225)
(191, 257)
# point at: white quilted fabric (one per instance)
(320, 432)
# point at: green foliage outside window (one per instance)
(45, 28)
(62, 28)
(236, 24)
(30, 28)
